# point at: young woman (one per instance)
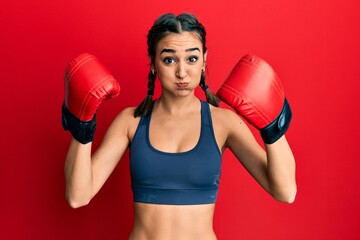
(176, 141)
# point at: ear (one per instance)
(205, 55)
(152, 65)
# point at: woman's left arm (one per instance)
(281, 170)
(273, 167)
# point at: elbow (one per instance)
(287, 197)
(76, 203)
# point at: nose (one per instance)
(181, 71)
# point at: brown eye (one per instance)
(168, 60)
(193, 59)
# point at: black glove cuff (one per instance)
(81, 131)
(278, 127)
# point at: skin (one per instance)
(178, 62)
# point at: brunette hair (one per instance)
(164, 25)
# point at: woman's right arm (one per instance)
(86, 173)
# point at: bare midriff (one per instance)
(173, 222)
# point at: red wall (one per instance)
(313, 45)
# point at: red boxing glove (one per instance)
(255, 91)
(87, 84)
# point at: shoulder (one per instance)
(117, 136)
(126, 113)
(228, 126)
(225, 117)
(126, 117)
(125, 123)
(231, 124)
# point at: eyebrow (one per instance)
(169, 50)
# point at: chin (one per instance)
(184, 92)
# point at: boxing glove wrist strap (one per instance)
(81, 131)
(278, 127)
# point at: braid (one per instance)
(147, 104)
(210, 96)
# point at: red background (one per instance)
(313, 45)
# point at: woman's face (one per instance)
(179, 61)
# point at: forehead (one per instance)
(180, 41)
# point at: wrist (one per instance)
(279, 126)
(80, 130)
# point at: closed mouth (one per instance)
(182, 84)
